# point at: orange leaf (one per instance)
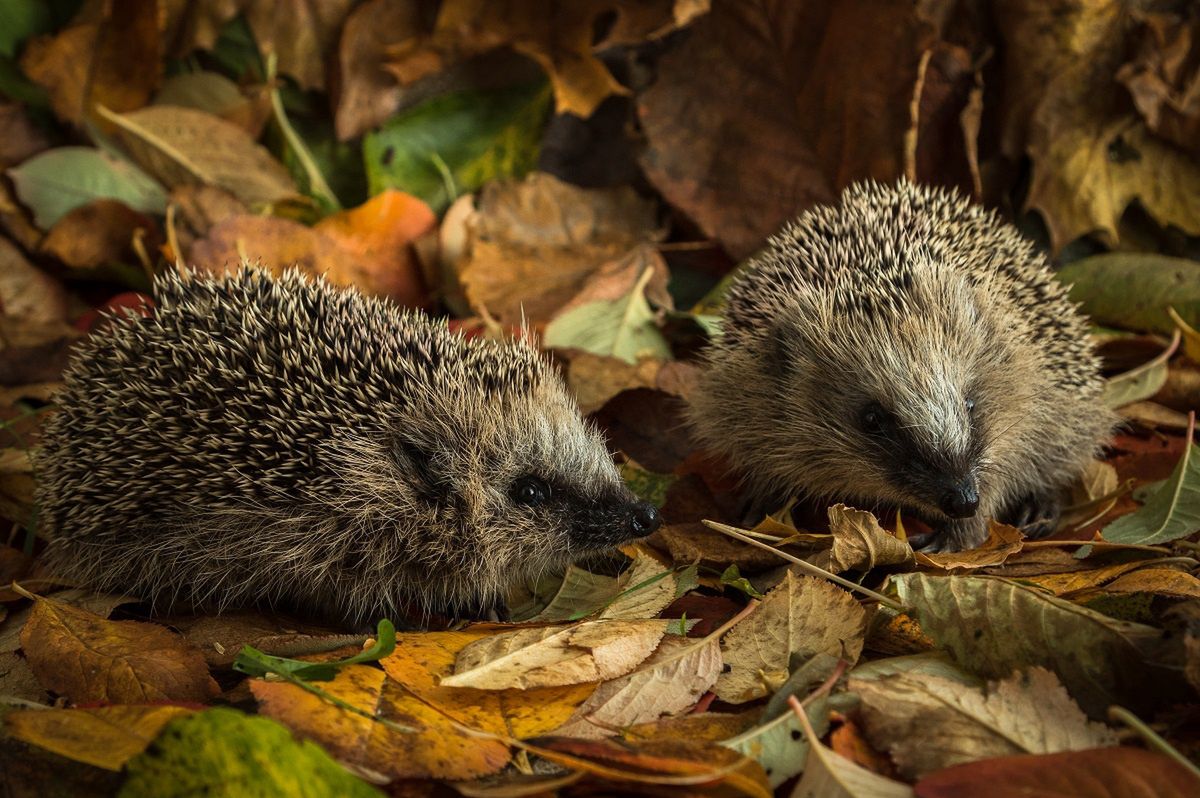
(86, 658)
(105, 737)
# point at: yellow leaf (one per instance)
(1002, 542)
(438, 749)
(84, 657)
(105, 737)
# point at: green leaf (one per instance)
(452, 144)
(1142, 382)
(253, 662)
(58, 181)
(779, 745)
(221, 752)
(1133, 290)
(622, 328)
(20, 19)
(1171, 512)
(994, 626)
(687, 580)
(647, 485)
(734, 579)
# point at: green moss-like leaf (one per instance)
(221, 752)
(1171, 512)
(58, 181)
(452, 144)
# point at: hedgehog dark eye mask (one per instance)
(904, 347)
(288, 442)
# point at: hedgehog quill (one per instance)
(905, 348)
(283, 441)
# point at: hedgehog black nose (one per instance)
(644, 519)
(961, 501)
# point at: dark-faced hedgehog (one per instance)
(283, 441)
(904, 348)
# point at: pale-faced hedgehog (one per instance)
(904, 348)
(260, 440)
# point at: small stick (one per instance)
(1151, 738)
(812, 570)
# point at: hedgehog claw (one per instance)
(1035, 514)
(957, 535)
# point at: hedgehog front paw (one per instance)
(1035, 514)
(957, 535)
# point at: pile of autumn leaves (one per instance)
(643, 681)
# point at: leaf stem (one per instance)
(1150, 737)
(813, 570)
(316, 180)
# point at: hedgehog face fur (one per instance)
(904, 348)
(283, 441)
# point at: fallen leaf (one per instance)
(436, 749)
(1002, 542)
(669, 682)
(595, 379)
(216, 94)
(17, 679)
(1141, 382)
(1159, 581)
(800, 617)
(182, 145)
(1099, 773)
(644, 589)
(27, 292)
(380, 233)
(422, 660)
(1133, 290)
(704, 726)
(455, 143)
(110, 54)
(106, 737)
(928, 723)
(20, 139)
(828, 774)
(100, 232)
(543, 232)
(221, 637)
(1171, 512)
(207, 753)
(995, 626)
(592, 651)
(1163, 87)
(84, 657)
(649, 427)
(779, 744)
(1066, 584)
(860, 543)
(94, 173)
(929, 663)
(823, 98)
(302, 34)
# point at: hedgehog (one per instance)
(904, 348)
(282, 441)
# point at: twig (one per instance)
(1151, 738)
(804, 565)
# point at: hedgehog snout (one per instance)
(960, 499)
(643, 519)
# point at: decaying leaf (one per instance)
(928, 723)
(106, 737)
(87, 658)
(800, 617)
(592, 651)
(1171, 512)
(860, 543)
(102, 231)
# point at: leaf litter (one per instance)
(457, 158)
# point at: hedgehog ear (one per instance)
(420, 468)
(783, 345)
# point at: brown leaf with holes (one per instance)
(100, 232)
(84, 657)
(108, 55)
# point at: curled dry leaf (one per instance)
(860, 543)
(544, 232)
(100, 232)
(1156, 581)
(592, 651)
(669, 682)
(84, 657)
(1002, 542)
(1164, 77)
(106, 737)
(421, 661)
(928, 723)
(800, 617)
(182, 145)
(1102, 773)
(436, 749)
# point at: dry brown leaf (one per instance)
(106, 737)
(301, 33)
(1159, 581)
(221, 637)
(179, 146)
(645, 601)
(102, 231)
(860, 543)
(108, 55)
(437, 749)
(27, 292)
(84, 657)
(421, 661)
(592, 651)
(802, 616)
(1164, 77)
(19, 137)
(669, 682)
(705, 726)
(17, 679)
(928, 723)
(543, 232)
(379, 233)
(1065, 584)
(1002, 542)
(823, 98)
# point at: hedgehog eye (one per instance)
(530, 491)
(970, 405)
(873, 419)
